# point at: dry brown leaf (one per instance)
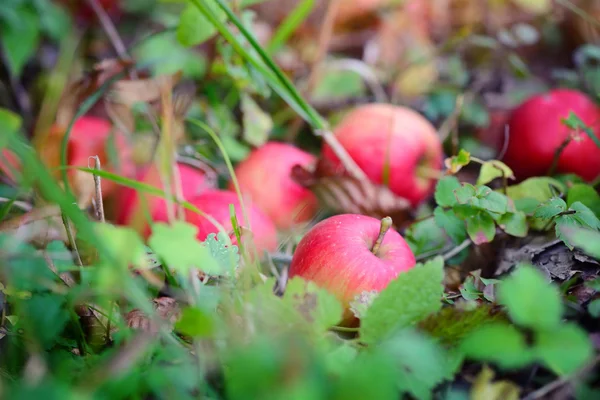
(166, 308)
(130, 92)
(80, 89)
(485, 389)
(39, 226)
(345, 194)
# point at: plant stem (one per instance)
(386, 223)
(557, 154)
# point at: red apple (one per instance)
(216, 204)
(382, 137)
(192, 180)
(264, 179)
(536, 132)
(82, 10)
(90, 136)
(336, 254)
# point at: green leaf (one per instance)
(564, 349)
(481, 227)
(44, 317)
(54, 20)
(318, 307)
(585, 194)
(257, 124)
(339, 84)
(584, 215)
(20, 41)
(223, 251)
(194, 28)
(178, 246)
(594, 308)
(421, 363)
(425, 236)
(368, 375)
(449, 222)
(468, 290)
(455, 163)
(499, 343)
(493, 169)
(195, 322)
(551, 208)
(530, 300)
(491, 201)
(514, 224)
(165, 55)
(10, 123)
(574, 122)
(452, 324)
(409, 298)
(465, 193)
(124, 243)
(444, 191)
(541, 189)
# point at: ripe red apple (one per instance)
(382, 137)
(93, 136)
(192, 180)
(336, 254)
(536, 132)
(90, 136)
(264, 179)
(216, 204)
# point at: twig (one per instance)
(449, 125)
(550, 387)
(98, 203)
(71, 238)
(505, 143)
(324, 41)
(120, 49)
(110, 29)
(466, 243)
(557, 154)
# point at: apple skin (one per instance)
(193, 182)
(264, 178)
(216, 204)
(536, 132)
(90, 137)
(369, 132)
(336, 255)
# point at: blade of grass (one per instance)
(150, 190)
(290, 24)
(228, 162)
(276, 78)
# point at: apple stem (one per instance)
(386, 224)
